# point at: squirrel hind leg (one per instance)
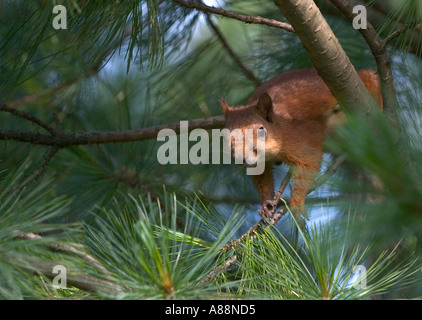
(303, 179)
(300, 215)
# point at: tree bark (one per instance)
(377, 47)
(63, 140)
(234, 15)
(328, 57)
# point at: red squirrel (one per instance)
(297, 110)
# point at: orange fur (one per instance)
(297, 110)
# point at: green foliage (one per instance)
(22, 212)
(149, 257)
(125, 65)
(393, 171)
(322, 265)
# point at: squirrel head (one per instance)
(246, 124)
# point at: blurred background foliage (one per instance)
(124, 65)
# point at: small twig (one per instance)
(82, 281)
(27, 116)
(48, 92)
(52, 151)
(40, 170)
(399, 31)
(394, 35)
(67, 248)
(74, 278)
(277, 215)
(250, 233)
(236, 16)
(218, 269)
(328, 173)
(230, 51)
(256, 226)
(283, 186)
(253, 230)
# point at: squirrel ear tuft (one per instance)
(265, 107)
(224, 106)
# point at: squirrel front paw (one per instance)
(268, 209)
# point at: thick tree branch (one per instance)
(328, 57)
(234, 15)
(377, 47)
(378, 14)
(58, 139)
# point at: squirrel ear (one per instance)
(224, 106)
(265, 107)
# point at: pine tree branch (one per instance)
(211, 276)
(378, 14)
(251, 233)
(58, 140)
(73, 277)
(414, 39)
(66, 248)
(49, 92)
(394, 35)
(236, 16)
(377, 47)
(64, 140)
(328, 173)
(327, 55)
(276, 216)
(27, 116)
